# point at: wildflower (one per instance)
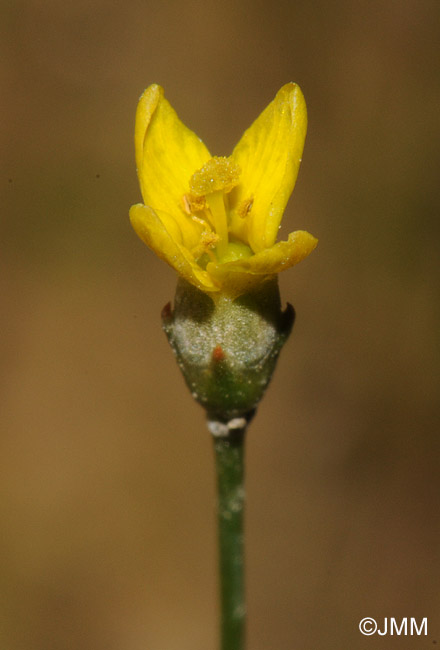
(215, 219)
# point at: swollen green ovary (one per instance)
(234, 251)
(225, 250)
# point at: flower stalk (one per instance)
(229, 460)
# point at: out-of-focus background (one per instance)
(108, 535)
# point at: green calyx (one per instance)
(227, 349)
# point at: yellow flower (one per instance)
(214, 219)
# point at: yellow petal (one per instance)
(273, 260)
(162, 234)
(167, 154)
(269, 154)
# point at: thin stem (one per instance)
(229, 456)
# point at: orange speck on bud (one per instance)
(166, 312)
(218, 354)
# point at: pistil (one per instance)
(216, 205)
(208, 186)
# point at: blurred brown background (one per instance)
(106, 485)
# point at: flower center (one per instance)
(211, 183)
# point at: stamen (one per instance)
(186, 204)
(245, 207)
(193, 203)
(208, 241)
(200, 221)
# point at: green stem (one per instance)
(229, 456)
